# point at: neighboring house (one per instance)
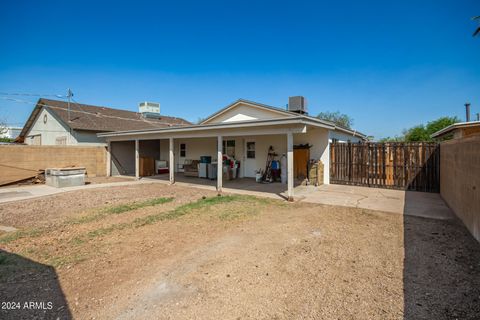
(458, 130)
(10, 132)
(52, 122)
(243, 130)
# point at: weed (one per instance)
(121, 209)
(30, 233)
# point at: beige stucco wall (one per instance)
(460, 180)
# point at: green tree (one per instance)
(423, 132)
(338, 118)
(393, 139)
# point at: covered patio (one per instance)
(240, 185)
(174, 145)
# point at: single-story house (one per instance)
(458, 130)
(54, 122)
(244, 131)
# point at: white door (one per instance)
(250, 165)
(182, 155)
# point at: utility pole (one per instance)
(69, 96)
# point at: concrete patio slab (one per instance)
(421, 204)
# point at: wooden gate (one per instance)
(408, 166)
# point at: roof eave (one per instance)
(199, 127)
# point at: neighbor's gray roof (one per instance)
(99, 119)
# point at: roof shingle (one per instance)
(104, 119)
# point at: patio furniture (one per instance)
(190, 168)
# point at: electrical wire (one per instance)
(80, 111)
(31, 94)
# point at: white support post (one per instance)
(171, 161)
(290, 165)
(109, 158)
(219, 164)
(137, 159)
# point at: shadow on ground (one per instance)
(441, 268)
(30, 290)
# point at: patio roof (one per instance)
(233, 125)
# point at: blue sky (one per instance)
(389, 65)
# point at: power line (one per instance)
(31, 94)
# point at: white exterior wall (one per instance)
(54, 128)
(262, 143)
(49, 131)
(195, 148)
(320, 150)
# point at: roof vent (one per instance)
(297, 104)
(149, 109)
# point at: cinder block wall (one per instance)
(18, 160)
(460, 180)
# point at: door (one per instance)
(250, 159)
(182, 156)
(300, 163)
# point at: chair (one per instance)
(190, 168)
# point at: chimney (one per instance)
(478, 116)
(467, 111)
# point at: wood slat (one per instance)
(408, 166)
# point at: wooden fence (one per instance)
(408, 166)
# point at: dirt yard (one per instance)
(154, 251)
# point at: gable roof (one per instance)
(284, 112)
(99, 119)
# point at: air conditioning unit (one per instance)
(149, 109)
(297, 104)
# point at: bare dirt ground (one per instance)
(183, 253)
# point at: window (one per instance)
(62, 141)
(229, 148)
(251, 150)
(183, 150)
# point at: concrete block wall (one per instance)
(17, 160)
(460, 180)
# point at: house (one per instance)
(458, 130)
(54, 122)
(243, 130)
(10, 132)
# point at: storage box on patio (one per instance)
(65, 177)
(147, 166)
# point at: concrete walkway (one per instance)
(429, 205)
(35, 191)
(421, 204)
